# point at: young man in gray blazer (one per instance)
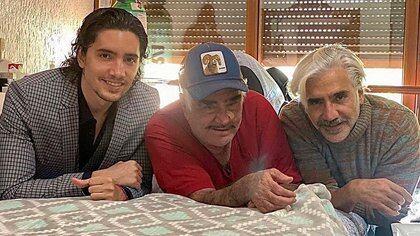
(78, 130)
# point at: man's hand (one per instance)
(380, 194)
(126, 173)
(266, 192)
(101, 188)
(262, 190)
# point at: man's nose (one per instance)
(329, 111)
(117, 68)
(224, 116)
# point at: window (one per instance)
(383, 33)
(176, 26)
(373, 29)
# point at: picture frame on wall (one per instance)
(102, 3)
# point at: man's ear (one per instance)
(184, 104)
(81, 58)
(361, 94)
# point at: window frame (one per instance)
(411, 58)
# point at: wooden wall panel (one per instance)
(253, 28)
(411, 49)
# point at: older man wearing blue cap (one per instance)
(220, 143)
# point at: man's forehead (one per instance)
(224, 94)
(327, 95)
(130, 42)
(328, 84)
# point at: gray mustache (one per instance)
(222, 127)
(331, 123)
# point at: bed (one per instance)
(168, 214)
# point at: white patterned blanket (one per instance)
(167, 214)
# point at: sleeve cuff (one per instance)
(360, 209)
(127, 192)
(86, 175)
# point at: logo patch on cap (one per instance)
(213, 63)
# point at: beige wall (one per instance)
(38, 31)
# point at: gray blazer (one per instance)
(39, 131)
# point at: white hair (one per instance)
(322, 59)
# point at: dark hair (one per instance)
(97, 21)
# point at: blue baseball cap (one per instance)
(208, 68)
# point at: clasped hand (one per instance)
(266, 192)
(105, 184)
(380, 194)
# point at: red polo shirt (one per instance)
(182, 165)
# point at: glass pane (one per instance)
(176, 26)
(372, 29)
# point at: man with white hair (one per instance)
(365, 148)
(221, 144)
